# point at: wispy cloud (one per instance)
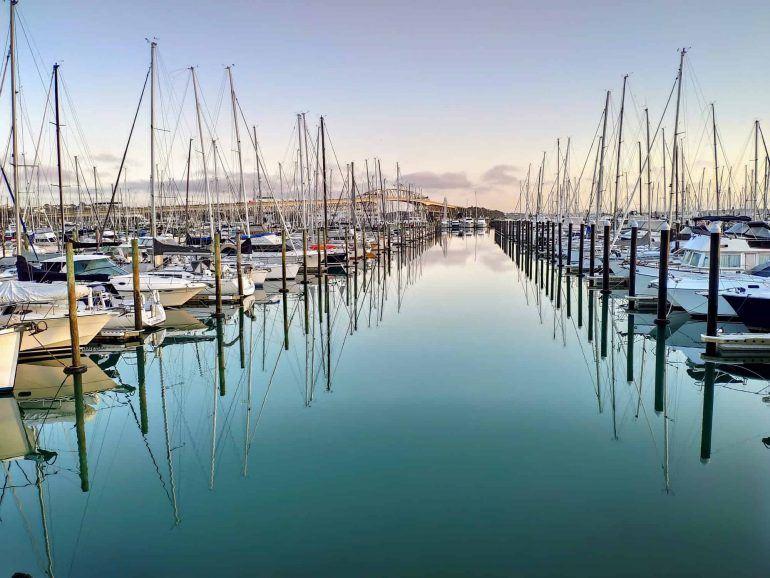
(500, 175)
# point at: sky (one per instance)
(463, 95)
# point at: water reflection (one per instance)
(147, 404)
(668, 356)
(417, 402)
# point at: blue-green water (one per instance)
(467, 428)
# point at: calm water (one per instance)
(467, 427)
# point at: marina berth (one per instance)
(43, 307)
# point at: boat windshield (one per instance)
(763, 268)
(691, 258)
(738, 229)
(758, 232)
(98, 267)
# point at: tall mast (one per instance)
(241, 190)
(323, 181)
(620, 140)
(203, 155)
(153, 224)
(77, 184)
(649, 178)
(302, 172)
(716, 159)
(216, 184)
(675, 141)
(14, 136)
(259, 177)
(58, 151)
(558, 181)
(601, 160)
(187, 188)
(756, 163)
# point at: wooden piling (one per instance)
(632, 265)
(713, 294)
(606, 259)
(72, 306)
(662, 318)
(138, 309)
(239, 265)
(581, 250)
(218, 276)
(284, 288)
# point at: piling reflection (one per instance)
(662, 356)
(190, 386)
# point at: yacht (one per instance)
(752, 306)
(172, 290)
(737, 256)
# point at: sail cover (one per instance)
(12, 292)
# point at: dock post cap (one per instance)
(715, 227)
(605, 223)
(75, 369)
(665, 227)
(634, 225)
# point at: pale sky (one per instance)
(462, 94)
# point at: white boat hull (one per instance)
(56, 330)
(10, 343)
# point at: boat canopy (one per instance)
(723, 218)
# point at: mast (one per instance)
(649, 179)
(617, 165)
(203, 155)
(77, 181)
(558, 182)
(58, 151)
(323, 181)
(153, 224)
(241, 190)
(14, 135)
(302, 172)
(601, 160)
(674, 166)
(259, 177)
(756, 163)
(187, 187)
(716, 159)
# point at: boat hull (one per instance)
(10, 344)
(55, 331)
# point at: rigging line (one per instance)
(582, 171)
(631, 197)
(49, 409)
(269, 385)
(125, 152)
(32, 49)
(36, 159)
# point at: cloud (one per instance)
(106, 158)
(500, 175)
(431, 180)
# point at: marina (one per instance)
(218, 421)
(383, 290)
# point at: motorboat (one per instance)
(173, 291)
